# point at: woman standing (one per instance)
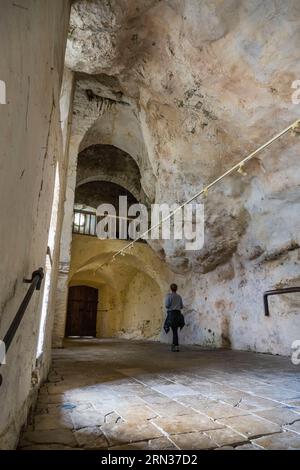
(174, 319)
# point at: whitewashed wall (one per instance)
(33, 37)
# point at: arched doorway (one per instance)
(82, 311)
(132, 288)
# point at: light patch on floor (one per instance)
(111, 394)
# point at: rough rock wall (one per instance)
(207, 82)
(33, 38)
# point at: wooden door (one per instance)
(82, 311)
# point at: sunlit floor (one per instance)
(112, 394)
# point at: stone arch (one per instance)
(120, 127)
(108, 300)
(91, 253)
(102, 162)
(94, 193)
(132, 289)
(116, 180)
(98, 117)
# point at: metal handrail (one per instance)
(285, 290)
(35, 284)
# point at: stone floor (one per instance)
(109, 394)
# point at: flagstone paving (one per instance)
(126, 395)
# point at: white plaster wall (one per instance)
(33, 36)
(54, 239)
